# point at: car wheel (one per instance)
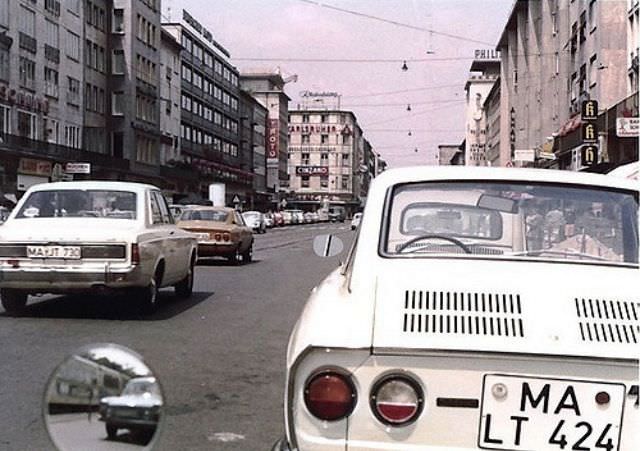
(247, 256)
(184, 288)
(13, 301)
(149, 295)
(112, 431)
(236, 257)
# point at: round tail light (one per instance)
(330, 396)
(226, 237)
(396, 400)
(218, 236)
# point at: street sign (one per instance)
(547, 155)
(589, 155)
(509, 164)
(589, 110)
(589, 133)
(627, 127)
(236, 199)
(525, 155)
(77, 168)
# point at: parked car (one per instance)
(221, 232)
(308, 217)
(337, 214)
(298, 216)
(93, 236)
(323, 215)
(629, 170)
(315, 217)
(176, 211)
(255, 220)
(136, 409)
(496, 309)
(269, 220)
(355, 221)
(278, 219)
(287, 217)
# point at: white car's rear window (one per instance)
(79, 204)
(514, 220)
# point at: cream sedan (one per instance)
(479, 308)
(93, 236)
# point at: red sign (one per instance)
(35, 167)
(273, 139)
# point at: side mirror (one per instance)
(327, 246)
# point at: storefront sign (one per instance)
(628, 127)
(589, 133)
(318, 94)
(273, 139)
(589, 155)
(589, 110)
(23, 99)
(312, 170)
(34, 167)
(77, 168)
(313, 128)
(525, 155)
(486, 54)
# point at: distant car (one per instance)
(337, 214)
(355, 221)
(255, 220)
(136, 409)
(287, 217)
(315, 217)
(496, 309)
(269, 220)
(176, 211)
(298, 216)
(221, 232)
(323, 215)
(308, 218)
(93, 236)
(278, 219)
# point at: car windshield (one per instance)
(141, 388)
(79, 203)
(522, 221)
(204, 215)
(250, 215)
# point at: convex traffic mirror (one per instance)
(327, 245)
(103, 397)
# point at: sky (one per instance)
(284, 33)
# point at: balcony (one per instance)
(27, 43)
(33, 148)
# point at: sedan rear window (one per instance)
(204, 215)
(79, 204)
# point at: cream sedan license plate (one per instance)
(203, 237)
(528, 413)
(63, 252)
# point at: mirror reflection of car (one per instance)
(221, 232)
(495, 303)
(355, 221)
(337, 214)
(136, 409)
(93, 236)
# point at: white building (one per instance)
(170, 90)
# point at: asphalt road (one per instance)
(219, 355)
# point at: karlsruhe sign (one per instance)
(589, 133)
(589, 155)
(77, 168)
(312, 170)
(627, 127)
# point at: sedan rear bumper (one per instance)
(212, 249)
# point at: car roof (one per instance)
(94, 185)
(209, 207)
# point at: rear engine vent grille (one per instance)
(608, 321)
(443, 312)
(452, 249)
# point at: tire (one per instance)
(148, 296)
(184, 288)
(13, 301)
(247, 255)
(235, 258)
(112, 431)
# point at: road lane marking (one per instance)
(225, 437)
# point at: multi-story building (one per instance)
(446, 153)
(170, 92)
(253, 126)
(268, 89)
(485, 70)
(325, 159)
(555, 55)
(491, 111)
(210, 136)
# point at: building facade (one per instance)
(170, 92)
(253, 126)
(326, 159)
(555, 55)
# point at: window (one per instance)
(593, 71)
(324, 118)
(324, 159)
(5, 119)
(582, 81)
(4, 13)
(51, 33)
(73, 6)
(118, 62)
(345, 182)
(324, 139)
(27, 21)
(324, 181)
(144, 150)
(117, 25)
(52, 130)
(73, 91)
(304, 181)
(27, 125)
(117, 103)
(305, 159)
(346, 140)
(27, 73)
(51, 82)
(592, 15)
(73, 46)
(557, 63)
(218, 67)
(306, 139)
(156, 213)
(305, 118)
(4, 64)
(117, 144)
(583, 26)
(345, 159)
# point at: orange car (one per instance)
(221, 233)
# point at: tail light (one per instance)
(218, 236)
(396, 400)
(226, 237)
(330, 396)
(135, 254)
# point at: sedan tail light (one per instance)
(330, 395)
(135, 254)
(226, 237)
(217, 236)
(396, 400)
